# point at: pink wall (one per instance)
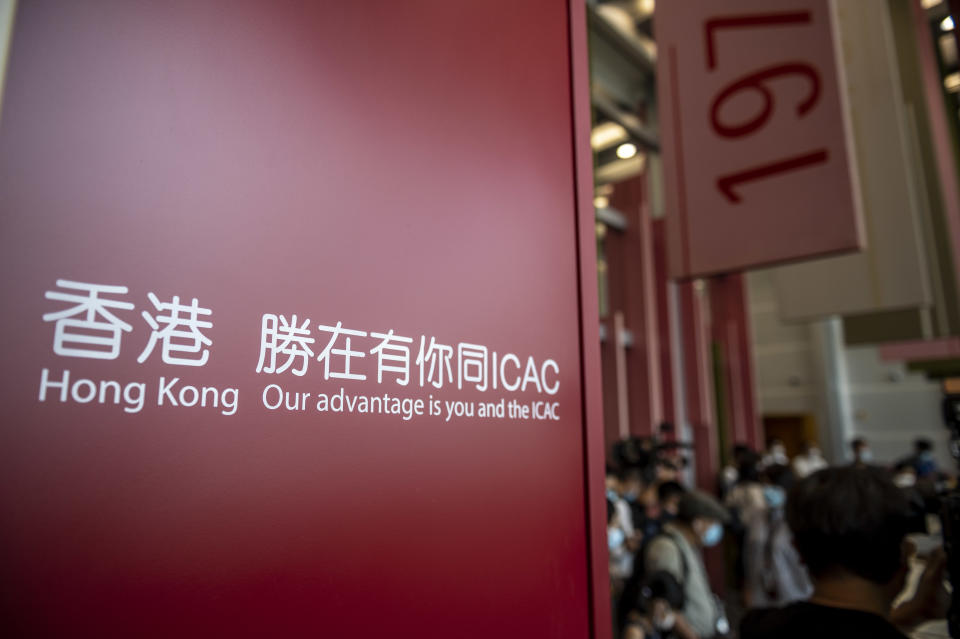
(632, 288)
(404, 169)
(731, 331)
(664, 327)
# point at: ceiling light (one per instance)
(601, 202)
(607, 134)
(929, 4)
(948, 49)
(952, 82)
(618, 18)
(947, 24)
(626, 151)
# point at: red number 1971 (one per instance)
(758, 82)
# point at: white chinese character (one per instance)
(472, 365)
(438, 356)
(187, 339)
(328, 352)
(278, 336)
(97, 338)
(390, 351)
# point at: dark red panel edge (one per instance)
(593, 443)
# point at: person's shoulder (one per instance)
(801, 619)
(663, 543)
(663, 553)
(769, 622)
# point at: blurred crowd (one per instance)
(800, 542)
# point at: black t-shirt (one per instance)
(807, 620)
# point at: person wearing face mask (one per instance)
(904, 475)
(621, 557)
(678, 551)
(640, 494)
(776, 453)
(923, 461)
(746, 498)
(862, 455)
(774, 575)
(809, 461)
(850, 526)
(631, 487)
(623, 537)
(669, 494)
(655, 614)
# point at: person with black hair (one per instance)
(640, 495)
(809, 461)
(667, 470)
(632, 484)
(923, 461)
(634, 452)
(654, 614)
(862, 455)
(730, 473)
(668, 496)
(904, 474)
(849, 526)
(776, 453)
(746, 498)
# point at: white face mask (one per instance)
(615, 538)
(712, 535)
(866, 455)
(905, 480)
(667, 622)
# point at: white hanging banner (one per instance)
(755, 135)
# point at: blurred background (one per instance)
(708, 380)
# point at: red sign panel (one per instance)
(292, 326)
(756, 151)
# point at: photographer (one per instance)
(678, 552)
(655, 615)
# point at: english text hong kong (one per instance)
(133, 395)
(274, 397)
